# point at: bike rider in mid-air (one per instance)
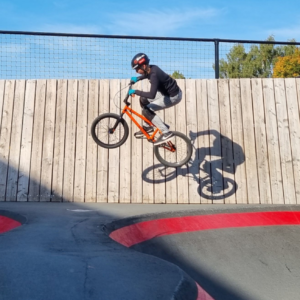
(164, 92)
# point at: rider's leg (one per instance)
(149, 129)
(161, 102)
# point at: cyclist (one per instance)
(164, 92)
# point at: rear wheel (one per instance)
(103, 133)
(176, 152)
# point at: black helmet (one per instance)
(138, 60)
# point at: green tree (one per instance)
(177, 75)
(257, 63)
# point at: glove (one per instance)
(134, 79)
(131, 92)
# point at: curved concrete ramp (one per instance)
(246, 254)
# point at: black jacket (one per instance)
(160, 81)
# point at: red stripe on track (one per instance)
(7, 224)
(202, 295)
(143, 231)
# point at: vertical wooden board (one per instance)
(114, 154)
(26, 141)
(69, 161)
(215, 141)
(273, 142)
(159, 186)
(191, 127)
(137, 155)
(147, 158)
(102, 176)
(226, 142)
(5, 134)
(284, 142)
(182, 178)
(238, 141)
(294, 125)
(125, 155)
(59, 141)
(2, 88)
(261, 143)
(166, 178)
(249, 142)
(15, 142)
(200, 138)
(298, 92)
(37, 141)
(91, 155)
(48, 142)
(157, 170)
(81, 141)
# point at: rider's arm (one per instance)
(153, 89)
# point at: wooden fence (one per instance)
(246, 137)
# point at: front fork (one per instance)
(112, 130)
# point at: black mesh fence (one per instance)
(29, 55)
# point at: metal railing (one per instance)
(35, 55)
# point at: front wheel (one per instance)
(176, 152)
(109, 130)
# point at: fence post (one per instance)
(217, 60)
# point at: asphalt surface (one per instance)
(63, 251)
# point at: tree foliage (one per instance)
(257, 63)
(177, 75)
(287, 66)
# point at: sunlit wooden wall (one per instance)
(245, 133)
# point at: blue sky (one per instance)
(172, 18)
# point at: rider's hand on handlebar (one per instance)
(131, 92)
(134, 80)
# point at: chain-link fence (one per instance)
(31, 55)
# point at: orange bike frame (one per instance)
(126, 111)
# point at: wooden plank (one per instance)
(125, 155)
(294, 126)
(295, 142)
(215, 142)
(136, 146)
(249, 142)
(273, 142)
(102, 176)
(114, 154)
(81, 141)
(148, 160)
(92, 149)
(261, 143)
(68, 187)
(15, 141)
(26, 142)
(182, 179)
(284, 142)
(200, 138)
(59, 141)
(226, 142)
(191, 126)
(48, 142)
(5, 134)
(37, 141)
(165, 179)
(238, 142)
(2, 89)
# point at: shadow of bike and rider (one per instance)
(212, 166)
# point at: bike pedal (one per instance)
(140, 137)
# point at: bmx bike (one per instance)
(111, 130)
